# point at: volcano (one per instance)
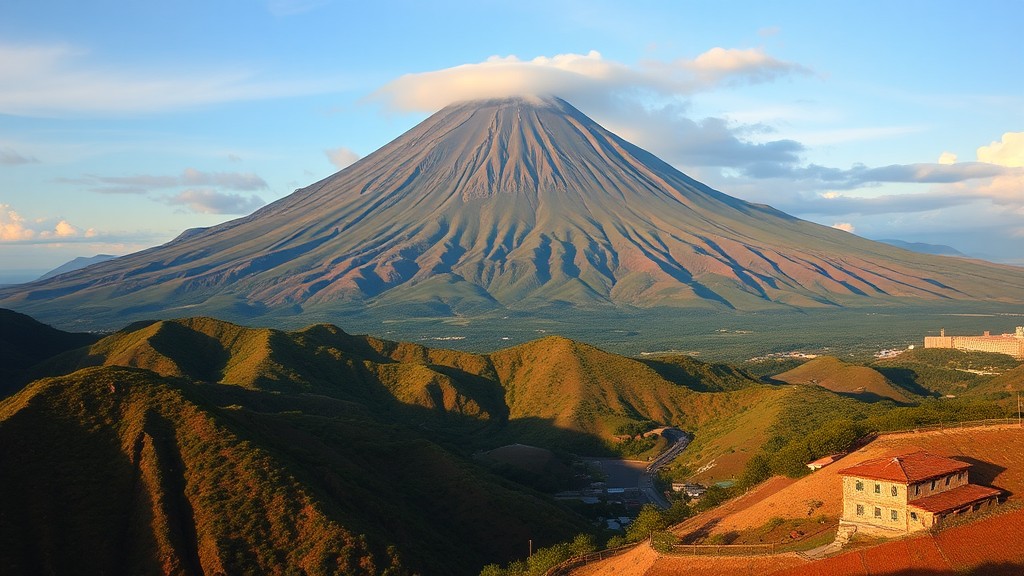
(510, 204)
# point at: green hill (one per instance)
(841, 377)
(947, 371)
(125, 471)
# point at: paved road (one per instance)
(680, 440)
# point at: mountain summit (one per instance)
(510, 203)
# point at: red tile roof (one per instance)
(905, 469)
(953, 499)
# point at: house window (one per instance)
(878, 488)
(917, 489)
(894, 490)
(878, 512)
(860, 509)
(933, 484)
(948, 479)
(860, 485)
(913, 516)
(959, 476)
(893, 515)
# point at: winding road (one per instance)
(680, 440)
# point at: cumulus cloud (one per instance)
(579, 76)
(947, 158)
(844, 226)
(208, 201)
(9, 157)
(59, 79)
(1009, 151)
(16, 228)
(341, 157)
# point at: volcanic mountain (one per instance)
(508, 204)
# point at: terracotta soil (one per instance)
(991, 545)
(996, 454)
(708, 522)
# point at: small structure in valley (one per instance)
(902, 494)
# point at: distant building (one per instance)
(915, 491)
(691, 490)
(1010, 344)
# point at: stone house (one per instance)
(901, 494)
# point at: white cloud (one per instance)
(341, 157)
(577, 77)
(16, 228)
(722, 65)
(207, 201)
(58, 80)
(947, 158)
(844, 226)
(1007, 152)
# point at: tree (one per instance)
(649, 520)
(582, 544)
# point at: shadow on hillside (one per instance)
(701, 533)
(986, 569)
(906, 379)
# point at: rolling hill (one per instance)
(844, 378)
(521, 204)
(205, 444)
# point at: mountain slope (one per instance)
(519, 203)
(77, 264)
(124, 471)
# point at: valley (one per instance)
(365, 442)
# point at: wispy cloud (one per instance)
(59, 79)
(9, 157)
(208, 201)
(341, 157)
(143, 183)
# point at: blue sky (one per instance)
(123, 123)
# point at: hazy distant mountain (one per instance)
(923, 248)
(520, 204)
(77, 264)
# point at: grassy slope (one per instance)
(844, 378)
(125, 471)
